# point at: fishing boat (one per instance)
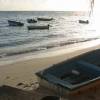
(15, 23)
(45, 19)
(90, 13)
(84, 21)
(74, 76)
(38, 27)
(31, 20)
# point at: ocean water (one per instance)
(65, 30)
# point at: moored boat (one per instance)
(45, 19)
(38, 27)
(84, 21)
(15, 23)
(31, 20)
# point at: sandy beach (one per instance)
(23, 71)
(21, 74)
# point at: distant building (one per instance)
(70, 78)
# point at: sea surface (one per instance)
(64, 30)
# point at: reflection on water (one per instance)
(65, 30)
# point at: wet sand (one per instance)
(21, 74)
(23, 71)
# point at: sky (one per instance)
(52, 5)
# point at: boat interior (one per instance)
(76, 72)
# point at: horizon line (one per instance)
(47, 10)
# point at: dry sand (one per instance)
(21, 74)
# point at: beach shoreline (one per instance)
(49, 53)
(23, 69)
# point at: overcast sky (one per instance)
(62, 5)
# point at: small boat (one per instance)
(31, 20)
(84, 21)
(38, 27)
(45, 19)
(15, 23)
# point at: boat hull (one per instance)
(14, 23)
(45, 19)
(84, 21)
(38, 27)
(31, 21)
